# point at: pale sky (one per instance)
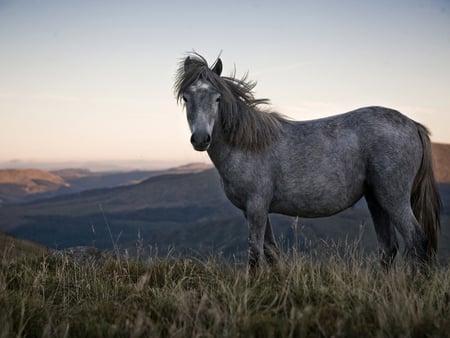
(92, 80)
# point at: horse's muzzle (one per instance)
(200, 141)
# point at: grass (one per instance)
(18, 248)
(339, 295)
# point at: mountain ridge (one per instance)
(441, 161)
(21, 185)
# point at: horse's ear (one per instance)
(187, 63)
(218, 67)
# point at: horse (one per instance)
(269, 163)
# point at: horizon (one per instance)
(93, 81)
(97, 166)
(110, 165)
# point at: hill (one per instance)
(20, 185)
(17, 183)
(441, 161)
(156, 207)
(18, 248)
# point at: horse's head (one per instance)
(202, 107)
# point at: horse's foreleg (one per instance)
(256, 215)
(271, 251)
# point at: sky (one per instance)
(93, 80)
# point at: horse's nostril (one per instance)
(201, 141)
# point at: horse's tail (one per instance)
(425, 200)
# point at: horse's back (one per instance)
(371, 131)
(380, 124)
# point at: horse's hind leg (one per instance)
(416, 241)
(270, 246)
(385, 231)
(396, 206)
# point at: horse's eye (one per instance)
(218, 99)
(184, 98)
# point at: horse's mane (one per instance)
(245, 122)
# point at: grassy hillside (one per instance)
(19, 248)
(339, 296)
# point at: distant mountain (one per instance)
(30, 179)
(72, 173)
(189, 168)
(15, 184)
(441, 159)
(155, 206)
(19, 185)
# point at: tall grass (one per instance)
(338, 295)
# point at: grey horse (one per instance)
(271, 164)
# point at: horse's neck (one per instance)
(219, 150)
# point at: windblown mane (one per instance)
(245, 123)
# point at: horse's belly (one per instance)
(313, 209)
(316, 203)
(309, 211)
